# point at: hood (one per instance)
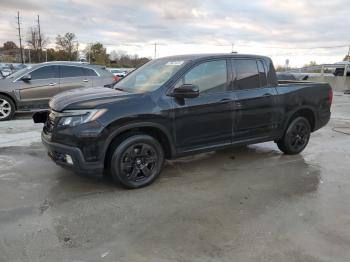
(84, 98)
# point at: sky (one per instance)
(298, 30)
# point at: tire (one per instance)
(339, 72)
(136, 161)
(7, 108)
(296, 136)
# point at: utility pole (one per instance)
(20, 37)
(40, 45)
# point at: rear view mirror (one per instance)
(26, 77)
(186, 91)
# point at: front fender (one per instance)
(132, 125)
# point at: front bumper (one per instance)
(58, 152)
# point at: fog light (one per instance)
(69, 159)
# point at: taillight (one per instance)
(116, 78)
(330, 96)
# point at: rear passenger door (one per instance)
(72, 77)
(204, 121)
(255, 109)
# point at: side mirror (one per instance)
(26, 78)
(185, 91)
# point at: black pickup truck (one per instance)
(177, 106)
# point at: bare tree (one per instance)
(36, 42)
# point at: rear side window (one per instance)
(247, 74)
(45, 72)
(262, 74)
(71, 71)
(89, 72)
(209, 77)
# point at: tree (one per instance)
(9, 45)
(312, 63)
(96, 53)
(121, 58)
(68, 45)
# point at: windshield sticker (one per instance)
(175, 63)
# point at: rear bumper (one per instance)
(58, 153)
(323, 119)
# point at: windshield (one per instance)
(19, 72)
(151, 76)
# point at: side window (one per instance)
(262, 74)
(89, 72)
(209, 77)
(45, 72)
(71, 71)
(247, 74)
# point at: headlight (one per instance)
(77, 117)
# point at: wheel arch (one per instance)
(307, 112)
(155, 130)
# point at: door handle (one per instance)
(85, 80)
(52, 84)
(267, 94)
(225, 100)
(238, 104)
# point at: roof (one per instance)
(213, 55)
(71, 63)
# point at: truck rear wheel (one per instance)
(137, 161)
(7, 108)
(296, 136)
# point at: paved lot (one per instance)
(244, 204)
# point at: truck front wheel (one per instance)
(296, 136)
(136, 161)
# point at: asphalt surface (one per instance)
(242, 204)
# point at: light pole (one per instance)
(30, 61)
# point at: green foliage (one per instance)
(312, 63)
(67, 47)
(9, 45)
(96, 54)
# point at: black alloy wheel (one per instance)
(296, 137)
(137, 161)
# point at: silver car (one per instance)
(31, 88)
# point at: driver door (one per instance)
(204, 121)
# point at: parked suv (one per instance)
(177, 106)
(31, 88)
(339, 71)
